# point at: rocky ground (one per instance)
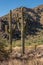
(32, 56)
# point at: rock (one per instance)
(31, 55)
(24, 57)
(38, 55)
(18, 55)
(14, 55)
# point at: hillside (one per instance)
(33, 22)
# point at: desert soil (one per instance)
(32, 56)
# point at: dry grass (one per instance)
(30, 57)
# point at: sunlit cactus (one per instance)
(22, 32)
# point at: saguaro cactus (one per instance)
(10, 31)
(17, 18)
(0, 24)
(22, 32)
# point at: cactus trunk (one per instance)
(10, 31)
(22, 34)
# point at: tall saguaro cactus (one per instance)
(10, 31)
(17, 20)
(22, 32)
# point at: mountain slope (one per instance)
(34, 23)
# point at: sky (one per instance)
(6, 5)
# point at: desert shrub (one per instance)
(2, 46)
(3, 51)
(4, 54)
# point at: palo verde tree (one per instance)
(10, 31)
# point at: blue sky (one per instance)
(6, 5)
